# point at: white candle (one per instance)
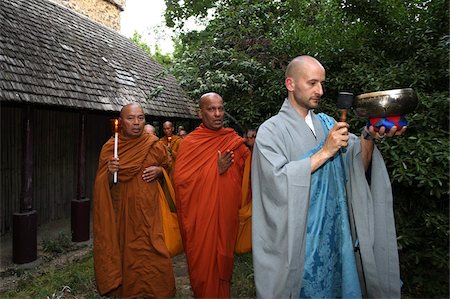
(116, 144)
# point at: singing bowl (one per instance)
(385, 103)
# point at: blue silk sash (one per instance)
(330, 267)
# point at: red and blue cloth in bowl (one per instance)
(388, 122)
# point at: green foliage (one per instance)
(179, 11)
(424, 259)
(238, 65)
(239, 82)
(155, 92)
(137, 40)
(163, 59)
(365, 46)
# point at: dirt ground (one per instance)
(9, 270)
(9, 277)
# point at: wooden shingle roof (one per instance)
(54, 56)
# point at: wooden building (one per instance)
(59, 72)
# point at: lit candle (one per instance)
(116, 143)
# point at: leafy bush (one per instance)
(365, 46)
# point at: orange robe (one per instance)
(207, 206)
(174, 143)
(130, 256)
(172, 150)
(244, 235)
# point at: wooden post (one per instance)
(26, 202)
(80, 206)
(25, 222)
(81, 160)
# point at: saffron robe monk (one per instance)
(208, 177)
(130, 256)
(171, 143)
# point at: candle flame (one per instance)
(116, 125)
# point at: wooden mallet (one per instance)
(344, 102)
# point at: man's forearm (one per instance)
(318, 159)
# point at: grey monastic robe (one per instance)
(280, 198)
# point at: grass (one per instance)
(73, 281)
(62, 243)
(76, 280)
(243, 284)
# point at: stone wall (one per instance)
(106, 12)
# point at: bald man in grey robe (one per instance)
(290, 149)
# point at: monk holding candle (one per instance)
(130, 256)
(208, 178)
(172, 143)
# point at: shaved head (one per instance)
(132, 120)
(167, 124)
(128, 106)
(211, 110)
(149, 129)
(300, 64)
(206, 96)
(168, 128)
(304, 83)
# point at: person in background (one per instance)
(182, 134)
(207, 178)
(249, 138)
(171, 143)
(320, 230)
(179, 130)
(149, 129)
(130, 257)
